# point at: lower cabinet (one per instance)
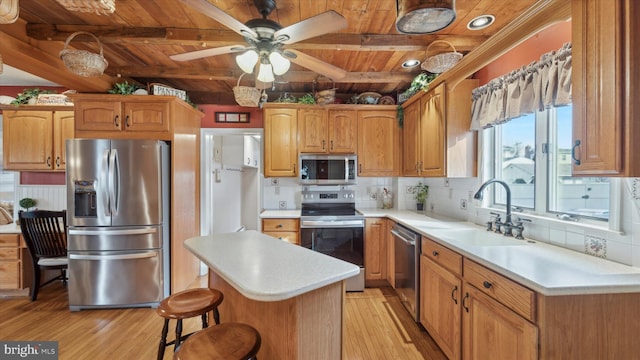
(12, 268)
(375, 249)
(283, 229)
(467, 323)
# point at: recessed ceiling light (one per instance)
(411, 63)
(481, 22)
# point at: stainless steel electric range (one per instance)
(330, 224)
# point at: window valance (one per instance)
(542, 84)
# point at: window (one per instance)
(532, 154)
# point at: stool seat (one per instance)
(229, 341)
(186, 304)
(189, 303)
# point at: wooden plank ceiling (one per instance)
(141, 35)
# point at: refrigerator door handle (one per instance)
(114, 232)
(105, 181)
(114, 257)
(114, 181)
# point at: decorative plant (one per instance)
(124, 88)
(28, 94)
(27, 203)
(400, 116)
(307, 99)
(421, 191)
(420, 82)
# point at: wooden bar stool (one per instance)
(186, 304)
(229, 341)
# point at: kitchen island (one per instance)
(293, 296)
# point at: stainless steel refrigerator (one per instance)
(118, 217)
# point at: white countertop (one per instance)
(10, 229)
(548, 269)
(280, 214)
(264, 268)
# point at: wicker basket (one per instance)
(246, 95)
(9, 11)
(100, 7)
(82, 62)
(440, 63)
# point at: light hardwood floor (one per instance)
(376, 327)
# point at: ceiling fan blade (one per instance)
(313, 64)
(214, 12)
(326, 22)
(198, 54)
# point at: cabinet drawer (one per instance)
(288, 236)
(443, 256)
(280, 225)
(10, 274)
(511, 294)
(10, 254)
(10, 240)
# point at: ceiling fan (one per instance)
(266, 40)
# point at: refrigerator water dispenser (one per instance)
(85, 198)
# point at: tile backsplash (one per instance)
(453, 197)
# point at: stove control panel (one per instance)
(321, 196)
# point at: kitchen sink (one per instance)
(476, 237)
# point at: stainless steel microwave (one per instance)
(327, 169)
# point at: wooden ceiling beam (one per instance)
(213, 38)
(202, 73)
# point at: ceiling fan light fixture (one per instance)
(424, 16)
(265, 74)
(280, 63)
(247, 61)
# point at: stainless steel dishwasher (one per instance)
(407, 268)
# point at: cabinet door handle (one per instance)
(323, 142)
(453, 294)
(573, 152)
(435, 253)
(279, 226)
(331, 145)
(126, 121)
(57, 161)
(359, 168)
(116, 120)
(248, 161)
(48, 161)
(464, 302)
(487, 284)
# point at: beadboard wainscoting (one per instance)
(47, 197)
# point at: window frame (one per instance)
(542, 199)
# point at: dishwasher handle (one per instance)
(114, 257)
(396, 233)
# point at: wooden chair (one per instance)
(44, 232)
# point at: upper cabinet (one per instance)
(327, 132)
(280, 141)
(605, 78)
(35, 139)
(437, 141)
(123, 116)
(378, 143)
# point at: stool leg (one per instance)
(163, 339)
(216, 316)
(205, 321)
(178, 335)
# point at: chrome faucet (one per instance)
(507, 226)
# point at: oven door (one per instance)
(342, 239)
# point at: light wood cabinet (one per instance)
(375, 249)
(34, 139)
(123, 116)
(605, 99)
(437, 141)
(327, 132)
(11, 265)
(283, 229)
(378, 143)
(280, 142)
